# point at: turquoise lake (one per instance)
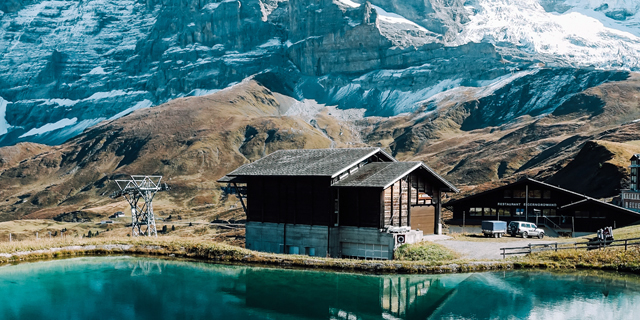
(147, 288)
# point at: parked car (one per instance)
(524, 229)
(496, 229)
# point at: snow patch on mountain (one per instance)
(4, 125)
(390, 17)
(347, 3)
(140, 105)
(574, 37)
(50, 127)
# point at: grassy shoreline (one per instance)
(208, 251)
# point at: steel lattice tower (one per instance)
(139, 192)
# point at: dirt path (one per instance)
(487, 249)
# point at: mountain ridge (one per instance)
(193, 141)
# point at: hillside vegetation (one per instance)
(194, 141)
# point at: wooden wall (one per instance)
(301, 200)
(396, 204)
(360, 207)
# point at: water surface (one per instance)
(145, 288)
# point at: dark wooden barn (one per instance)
(559, 209)
(337, 196)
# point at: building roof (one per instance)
(593, 201)
(521, 181)
(378, 174)
(309, 162)
(583, 198)
(384, 174)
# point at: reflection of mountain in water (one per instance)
(145, 289)
(540, 295)
(510, 295)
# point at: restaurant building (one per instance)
(558, 209)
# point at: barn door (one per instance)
(423, 218)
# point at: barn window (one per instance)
(504, 212)
(489, 212)
(508, 194)
(475, 212)
(535, 194)
(519, 194)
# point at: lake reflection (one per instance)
(140, 288)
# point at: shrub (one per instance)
(424, 251)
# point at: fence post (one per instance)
(504, 254)
(556, 247)
(530, 250)
(625, 245)
(10, 240)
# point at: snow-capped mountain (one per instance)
(67, 65)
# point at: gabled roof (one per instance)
(601, 203)
(378, 174)
(585, 199)
(384, 174)
(309, 162)
(519, 182)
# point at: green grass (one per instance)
(425, 251)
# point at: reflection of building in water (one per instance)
(413, 297)
(340, 296)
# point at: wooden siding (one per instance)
(396, 204)
(360, 207)
(300, 200)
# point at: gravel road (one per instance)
(486, 249)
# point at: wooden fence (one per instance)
(590, 245)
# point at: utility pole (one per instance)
(139, 193)
(526, 202)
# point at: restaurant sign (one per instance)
(522, 204)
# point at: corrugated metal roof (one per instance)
(378, 174)
(308, 162)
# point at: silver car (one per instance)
(524, 229)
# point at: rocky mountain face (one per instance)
(68, 65)
(481, 90)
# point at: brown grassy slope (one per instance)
(191, 141)
(538, 147)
